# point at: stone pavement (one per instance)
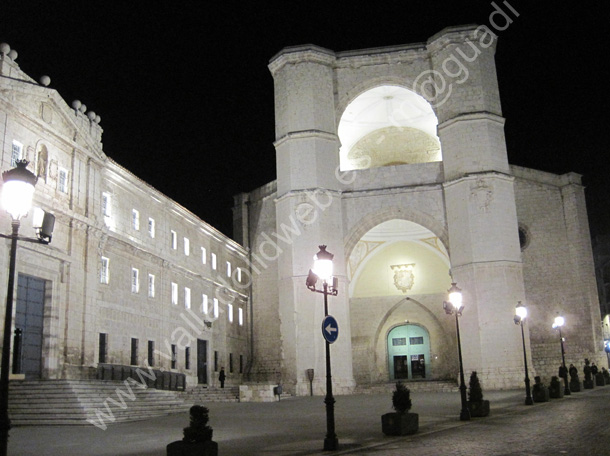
(575, 425)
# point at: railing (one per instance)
(154, 378)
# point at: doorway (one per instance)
(418, 366)
(401, 369)
(408, 352)
(202, 361)
(29, 318)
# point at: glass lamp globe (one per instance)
(323, 264)
(455, 296)
(18, 190)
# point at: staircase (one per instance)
(437, 386)
(201, 394)
(100, 402)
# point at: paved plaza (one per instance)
(575, 425)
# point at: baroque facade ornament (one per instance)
(482, 192)
(403, 276)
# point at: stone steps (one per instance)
(70, 402)
(413, 385)
(200, 394)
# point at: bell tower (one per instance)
(308, 214)
(480, 203)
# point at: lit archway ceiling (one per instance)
(391, 125)
(392, 244)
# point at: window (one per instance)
(174, 240)
(204, 255)
(135, 219)
(106, 204)
(204, 303)
(230, 312)
(524, 238)
(214, 261)
(103, 346)
(240, 313)
(151, 353)
(416, 340)
(17, 153)
(187, 357)
(187, 298)
(187, 246)
(238, 274)
(174, 360)
(174, 293)
(105, 271)
(228, 269)
(215, 307)
(231, 363)
(241, 364)
(134, 351)
(151, 285)
(151, 227)
(215, 361)
(135, 280)
(399, 341)
(62, 180)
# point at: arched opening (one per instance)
(386, 126)
(399, 275)
(408, 352)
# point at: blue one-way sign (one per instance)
(330, 329)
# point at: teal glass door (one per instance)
(408, 352)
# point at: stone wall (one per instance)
(78, 304)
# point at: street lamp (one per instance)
(17, 193)
(557, 324)
(455, 306)
(323, 270)
(520, 316)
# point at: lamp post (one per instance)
(557, 324)
(455, 306)
(520, 316)
(323, 270)
(17, 193)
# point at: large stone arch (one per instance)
(363, 86)
(384, 122)
(371, 360)
(369, 221)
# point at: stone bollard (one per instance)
(197, 439)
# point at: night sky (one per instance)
(186, 99)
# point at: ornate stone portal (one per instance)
(363, 129)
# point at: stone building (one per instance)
(395, 158)
(130, 277)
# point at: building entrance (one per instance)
(408, 350)
(202, 361)
(27, 339)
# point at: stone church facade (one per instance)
(395, 158)
(131, 278)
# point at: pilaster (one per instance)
(308, 214)
(480, 205)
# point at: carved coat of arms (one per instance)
(403, 276)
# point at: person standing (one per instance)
(221, 377)
(563, 372)
(573, 371)
(594, 370)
